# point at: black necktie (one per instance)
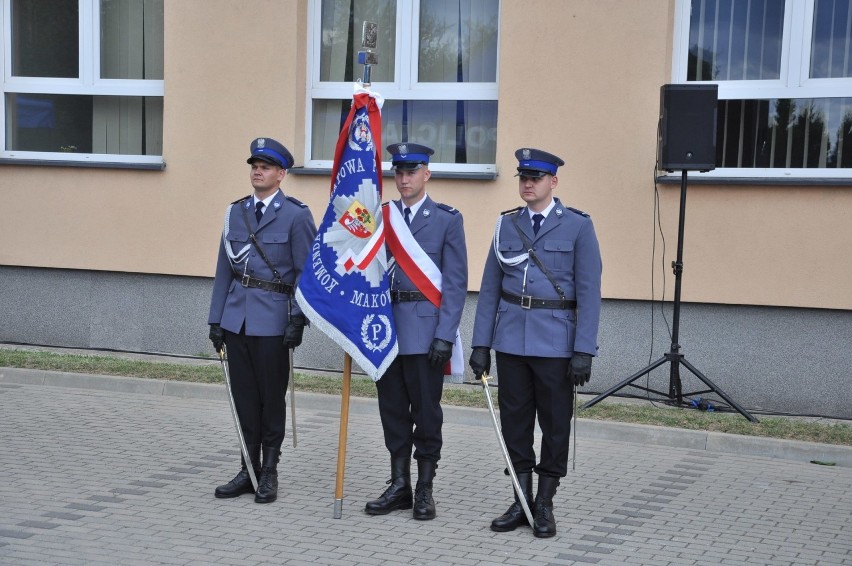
(407, 212)
(258, 213)
(537, 218)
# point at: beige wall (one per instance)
(581, 80)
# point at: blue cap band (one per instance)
(411, 158)
(542, 165)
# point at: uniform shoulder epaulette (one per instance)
(239, 200)
(446, 207)
(575, 211)
(296, 201)
(511, 211)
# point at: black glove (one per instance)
(440, 352)
(480, 361)
(580, 368)
(294, 330)
(217, 336)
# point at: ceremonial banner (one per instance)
(344, 288)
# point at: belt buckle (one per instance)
(394, 295)
(245, 280)
(526, 302)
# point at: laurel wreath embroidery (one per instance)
(365, 337)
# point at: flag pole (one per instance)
(366, 58)
(344, 431)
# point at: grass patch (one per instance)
(458, 395)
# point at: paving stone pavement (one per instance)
(112, 477)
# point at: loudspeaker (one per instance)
(687, 128)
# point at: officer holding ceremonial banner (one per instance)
(428, 286)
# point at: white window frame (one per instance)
(794, 81)
(405, 86)
(88, 83)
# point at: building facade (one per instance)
(126, 125)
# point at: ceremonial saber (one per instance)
(515, 483)
(341, 446)
(243, 447)
(292, 399)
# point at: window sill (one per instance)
(772, 181)
(326, 172)
(84, 164)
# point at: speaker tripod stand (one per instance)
(674, 356)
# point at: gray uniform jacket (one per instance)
(439, 230)
(568, 248)
(285, 232)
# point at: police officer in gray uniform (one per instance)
(538, 308)
(410, 390)
(265, 241)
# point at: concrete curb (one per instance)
(587, 428)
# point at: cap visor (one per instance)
(407, 166)
(531, 173)
(266, 158)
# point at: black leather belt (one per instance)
(528, 302)
(407, 296)
(275, 286)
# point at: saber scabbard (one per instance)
(574, 432)
(243, 447)
(515, 483)
(292, 399)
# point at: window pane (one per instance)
(788, 133)
(118, 125)
(45, 38)
(458, 41)
(458, 131)
(831, 46)
(735, 40)
(341, 39)
(132, 39)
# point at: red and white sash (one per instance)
(420, 268)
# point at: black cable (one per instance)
(656, 225)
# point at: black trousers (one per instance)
(259, 367)
(410, 407)
(530, 387)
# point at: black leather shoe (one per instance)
(240, 485)
(267, 483)
(515, 516)
(398, 494)
(424, 505)
(395, 497)
(545, 523)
